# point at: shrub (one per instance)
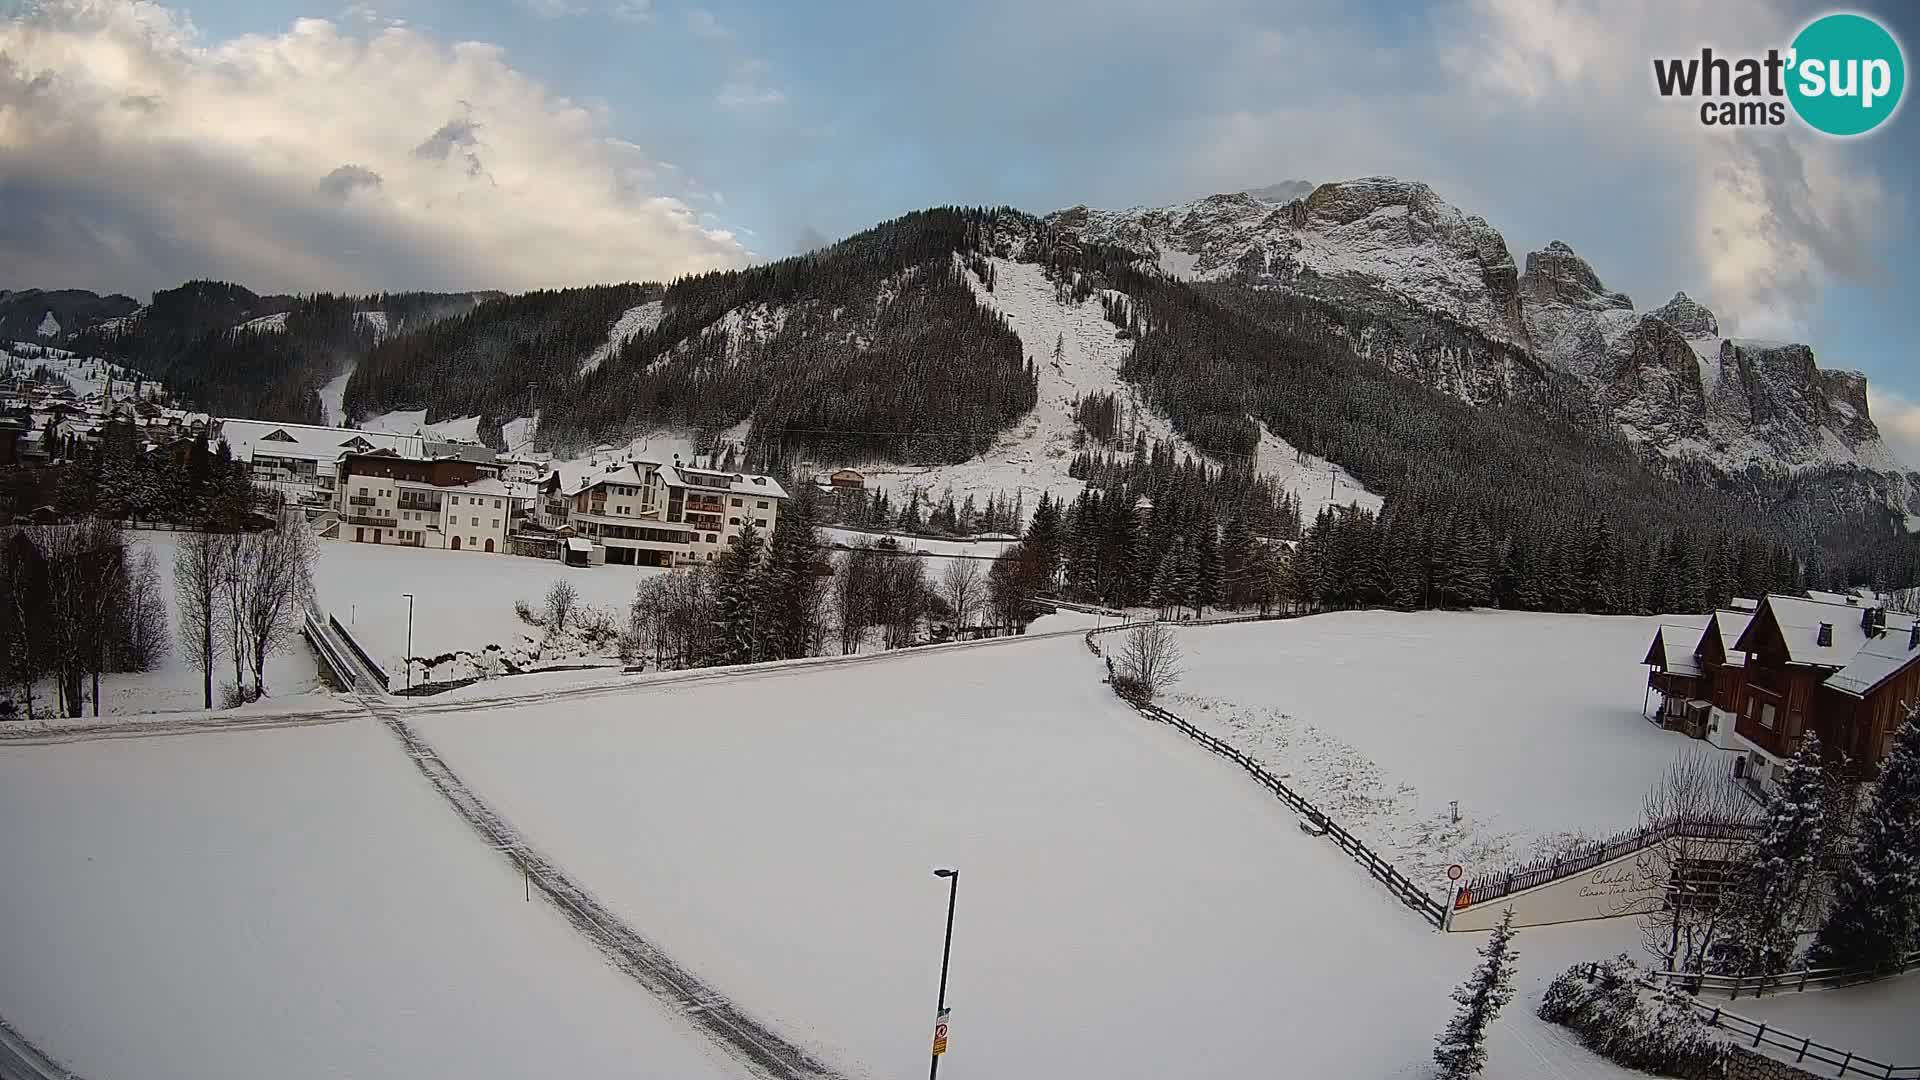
(526, 613)
(1618, 1017)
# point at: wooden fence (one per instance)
(1313, 817)
(1785, 982)
(1804, 1051)
(1492, 886)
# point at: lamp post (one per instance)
(946, 954)
(408, 659)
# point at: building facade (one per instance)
(1840, 667)
(449, 503)
(645, 513)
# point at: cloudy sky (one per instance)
(305, 144)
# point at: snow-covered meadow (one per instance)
(463, 601)
(1129, 905)
(293, 904)
(1531, 721)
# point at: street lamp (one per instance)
(946, 953)
(408, 659)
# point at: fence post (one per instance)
(1804, 1043)
(1759, 1033)
(1803, 977)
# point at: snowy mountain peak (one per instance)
(1282, 193)
(1557, 275)
(1688, 316)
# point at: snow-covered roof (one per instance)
(1673, 646)
(310, 442)
(1732, 624)
(764, 487)
(1800, 620)
(1880, 659)
(578, 544)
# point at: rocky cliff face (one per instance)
(1397, 250)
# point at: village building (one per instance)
(447, 502)
(1839, 666)
(646, 513)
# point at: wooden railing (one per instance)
(1492, 886)
(1785, 982)
(1312, 817)
(1758, 1033)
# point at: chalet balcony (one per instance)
(362, 500)
(377, 521)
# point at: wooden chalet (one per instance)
(1844, 670)
(1756, 681)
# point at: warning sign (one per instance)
(1461, 902)
(940, 1032)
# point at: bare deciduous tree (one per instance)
(1693, 799)
(562, 598)
(1150, 657)
(142, 640)
(199, 568)
(281, 560)
(963, 588)
(853, 601)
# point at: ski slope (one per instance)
(631, 323)
(1130, 906)
(295, 904)
(1034, 455)
(1531, 721)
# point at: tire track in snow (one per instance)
(744, 1038)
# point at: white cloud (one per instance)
(634, 11)
(135, 156)
(748, 89)
(1546, 108)
(1898, 418)
(1778, 212)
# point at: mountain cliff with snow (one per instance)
(1396, 249)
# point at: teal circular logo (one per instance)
(1847, 74)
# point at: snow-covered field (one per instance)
(1531, 721)
(84, 374)
(463, 601)
(1129, 907)
(291, 904)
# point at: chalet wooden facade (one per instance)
(1757, 682)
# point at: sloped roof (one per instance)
(1673, 646)
(763, 487)
(308, 441)
(1799, 620)
(1880, 659)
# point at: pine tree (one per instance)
(788, 586)
(1875, 912)
(1462, 1049)
(1774, 885)
(1237, 560)
(736, 594)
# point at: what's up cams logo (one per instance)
(1842, 75)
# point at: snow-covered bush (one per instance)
(1622, 1019)
(526, 613)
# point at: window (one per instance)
(733, 521)
(496, 523)
(736, 502)
(762, 504)
(476, 522)
(454, 499)
(759, 523)
(1766, 717)
(472, 541)
(496, 504)
(712, 539)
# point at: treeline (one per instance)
(242, 597)
(871, 348)
(1516, 467)
(188, 339)
(76, 601)
(202, 487)
(875, 509)
(1412, 557)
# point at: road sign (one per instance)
(940, 1032)
(1454, 872)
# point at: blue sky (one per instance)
(754, 130)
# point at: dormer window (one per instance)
(1824, 636)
